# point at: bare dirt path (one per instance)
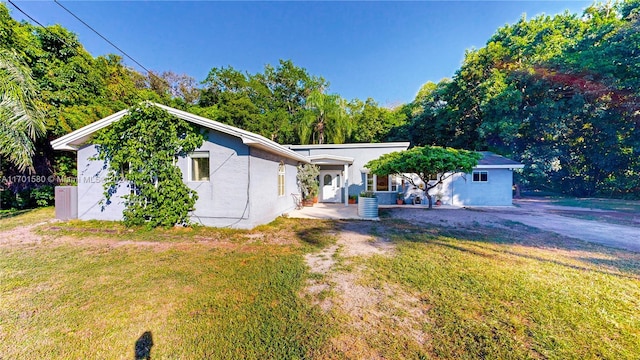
(343, 288)
(580, 223)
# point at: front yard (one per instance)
(313, 289)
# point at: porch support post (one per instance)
(346, 184)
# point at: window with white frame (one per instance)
(480, 176)
(281, 182)
(199, 164)
(369, 185)
(396, 183)
(383, 183)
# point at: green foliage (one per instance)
(426, 162)
(325, 120)
(372, 123)
(21, 120)
(271, 103)
(69, 87)
(367, 194)
(558, 93)
(141, 149)
(43, 195)
(307, 177)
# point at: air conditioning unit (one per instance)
(66, 202)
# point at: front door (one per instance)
(330, 186)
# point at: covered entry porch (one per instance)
(334, 177)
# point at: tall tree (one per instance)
(21, 122)
(271, 103)
(371, 122)
(325, 120)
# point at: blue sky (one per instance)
(383, 50)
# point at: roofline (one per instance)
(63, 142)
(507, 166)
(350, 145)
(331, 159)
(247, 137)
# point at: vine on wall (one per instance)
(140, 151)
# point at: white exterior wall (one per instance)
(266, 204)
(91, 199)
(242, 190)
(221, 200)
(461, 190)
(361, 154)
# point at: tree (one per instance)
(141, 149)
(21, 122)
(427, 162)
(325, 119)
(272, 103)
(371, 122)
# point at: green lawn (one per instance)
(92, 289)
(89, 298)
(505, 295)
(10, 219)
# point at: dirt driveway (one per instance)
(611, 228)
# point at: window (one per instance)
(370, 181)
(327, 180)
(125, 169)
(383, 183)
(281, 189)
(480, 176)
(396, 183)
(199, 162)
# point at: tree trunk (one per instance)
(430, 199)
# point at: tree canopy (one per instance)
(21, 120)
(427, 162)
(558, 93)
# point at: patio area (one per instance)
(327, 211)
(337, 211)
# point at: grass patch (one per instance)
(96, 299)
(514, 299)
(10, 219)
(95, 289)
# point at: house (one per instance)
(244, 179)
(342, 173)
(489, 184)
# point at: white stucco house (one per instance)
(489, 184)
(244, 179)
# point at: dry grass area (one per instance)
(440, 288)
(97, 290)
(458, 288)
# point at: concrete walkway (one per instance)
(327, 211)
(338, 211)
